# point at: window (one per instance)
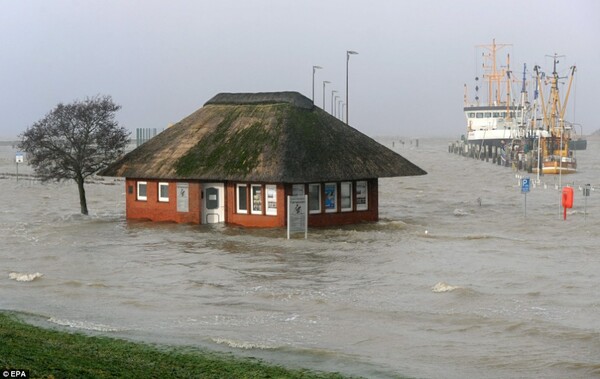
(142, 193)
(271, 192)
(330, 197)
(479, 114)
(471, 114)
(298, 190)
(242, 198)
(488, 114)
(257, 199)
(314, 198)
(346, 192)
(362, 196)
(163, 192)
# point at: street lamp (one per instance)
(315, 68)
(339, 109)
(324, 83)
(334, 106)
(343, 106)
(332, 93)
(348, 53)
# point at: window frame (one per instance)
(349, 185)
(318, 186)
(237, 198)
(260, 201)
(137, 193)
(271, 205)
(329, 199)
(360, 206)
(161, 198)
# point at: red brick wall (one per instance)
(254, 220)
(154, 210)
(348, 217)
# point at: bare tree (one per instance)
(74, 141)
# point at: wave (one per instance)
(242, 344)
(23, 277)
(444, 287)
(461, 212)
(85, 325)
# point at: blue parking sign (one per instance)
(525, 184)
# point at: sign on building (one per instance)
(183, 197)
(297, 211)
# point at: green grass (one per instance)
(56, 354)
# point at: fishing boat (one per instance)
(554, 153)
(500, 119)
(509, 129)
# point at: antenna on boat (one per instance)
(524, 87)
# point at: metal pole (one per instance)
(332, 93)
(348, 52)
(315, 68)
(324, 83)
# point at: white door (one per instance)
(213, 203)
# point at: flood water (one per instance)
(457, 280)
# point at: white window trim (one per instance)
(262, 199)
(335, 202)
(363, 207)
(237, 199)
(138, 196)
(270, 211)
(316, 210)
(347, 209)
(161, 198)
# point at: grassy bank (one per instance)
(54, 354)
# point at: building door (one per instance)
(213, 203)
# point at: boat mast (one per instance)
(494, 78)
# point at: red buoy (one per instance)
(567, 200)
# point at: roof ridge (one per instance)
(289, 97)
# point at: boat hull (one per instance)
(554, 168)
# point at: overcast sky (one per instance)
(163, 59)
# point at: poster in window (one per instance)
(361, 196)
(271, 191)
(330, 197)
(256, 199)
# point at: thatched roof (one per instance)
(265, 137)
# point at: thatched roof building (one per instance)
(265, 137)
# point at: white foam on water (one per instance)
(85, 325)
(460, 212)
(242, 344)
(443, 287)
(24, 277)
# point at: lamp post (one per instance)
(348, 53)
(343, 106)
(339, 107)
(315, 68)
(334, 106)
(332, 94)
(324, 83)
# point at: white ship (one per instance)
(500, 119)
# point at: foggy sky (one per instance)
(162, 60)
